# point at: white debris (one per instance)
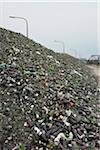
(99, 124)
(36, 94)
(9, 138)
(15, 148)
(70, 136)
(38, 52)
(49, 56)
(40, 121)
(16, 49)
(57, 62)
(59, 136)
(37, 116)
(41, 148)
(66, 82)
(46, 109)
(68, 112)
(15, 90)
(23, 110)
(60, 93)
(81, 136)
(38, 130)
(14, 63)
(2, 115)
(25, 124)
(14, 58)
(68, 95)
(74, 115)
(32, 106)
(66, 123)
(8, 93)
(18, 83)
(76, 72)
(50, 118)
(62, 136)
(26, 97)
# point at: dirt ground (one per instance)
(95, 68)
(96, 71)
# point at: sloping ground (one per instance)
(95, 69)
(47, 100)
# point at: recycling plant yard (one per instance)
(48, 100)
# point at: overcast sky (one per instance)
(74, 23)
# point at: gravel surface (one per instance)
(48, 101)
